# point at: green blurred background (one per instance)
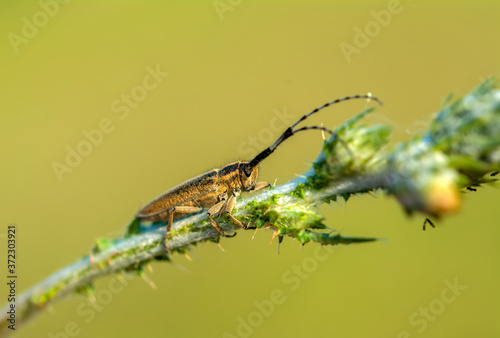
(232, 66)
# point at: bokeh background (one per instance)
(232, 66)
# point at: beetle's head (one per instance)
(248, 175)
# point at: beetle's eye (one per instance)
(248, 170)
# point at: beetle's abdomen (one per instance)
(200, 191)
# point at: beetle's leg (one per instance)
(183, 209)
(222, 198)
(170, 216)
(230, 206)
(213, 210)
(260, 185)
(170, 220)
(179, 209)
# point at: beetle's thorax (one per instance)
(239, 176)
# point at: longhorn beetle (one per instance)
(218, 189)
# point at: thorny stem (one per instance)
(424, 174)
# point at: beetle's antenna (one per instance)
(290, 132)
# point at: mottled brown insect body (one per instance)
(218, 189)
(210, 190)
